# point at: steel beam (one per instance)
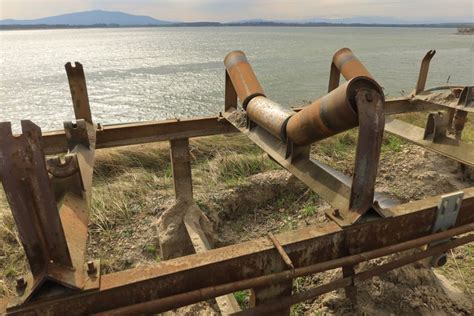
(78, 87)
(424, 68)
(448, 147)
(116, 135)
(304, 246)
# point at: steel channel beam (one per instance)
(448, 147)
(305, 246)
(423, 74)
(116, 135)
(331, 185)
(275, 305)
(26, 183)
(227, 303)
(78, 87)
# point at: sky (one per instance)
(232, 10)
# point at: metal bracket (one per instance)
(448, 210)
(466, 98)
(423, 75)
(446, 216)
(436, 127)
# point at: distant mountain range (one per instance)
(90, 18)
(100, 18)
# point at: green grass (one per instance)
(242, 297)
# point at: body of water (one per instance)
(138, 74)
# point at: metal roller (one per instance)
(334, 113)
(348, 64)
(242, 76)
(270, 115)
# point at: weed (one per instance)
(242, 297)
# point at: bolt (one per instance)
(91, 267)
(20, 283)
(336, 213)
(439, 260)
(368, 97)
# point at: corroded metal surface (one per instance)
(26, 183)
(243, 77)
(329, 115)
(78, 87)
(269, 115)
(424, 68)
(346, 63)
(230, 264)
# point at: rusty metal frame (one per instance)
(266, 265)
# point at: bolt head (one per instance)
(20, 283)
(368, 97)
(91, 267)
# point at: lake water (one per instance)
(139, 74)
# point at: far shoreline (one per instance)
(217, 24)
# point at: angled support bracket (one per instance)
(369, 144)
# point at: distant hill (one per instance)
(91, 18)
(100, 18)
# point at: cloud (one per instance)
(228, 10)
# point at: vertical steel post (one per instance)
(80, 98)
(424, 68)
(230, 95)
(181, 167)
(31, 198)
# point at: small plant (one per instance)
(309, 210)
(392, 143)
(242, 297)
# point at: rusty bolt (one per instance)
(368, 97)
(20, 283)
(337, 213)
(91, 267)
(439, 260)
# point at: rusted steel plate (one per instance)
(250, 259)
(116, 135)
(402, 105)
(448, 147)
(181, 167)
(408, 105)
(319, 179)
(78, 87)
(423, 74)
(441, 99)
(227, 303)
(369, 144)
(33, 204)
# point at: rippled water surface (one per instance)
(142, 74)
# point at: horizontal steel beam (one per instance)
(304, 246)
(451, 148)
(116, 135)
